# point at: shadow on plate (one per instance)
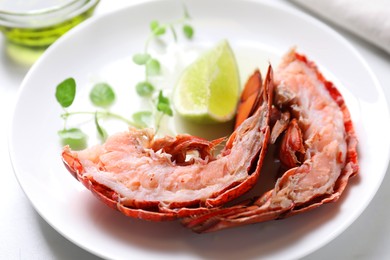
(256, 240)
(60, 247)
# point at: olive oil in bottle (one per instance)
(29, 27)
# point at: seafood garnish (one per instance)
(173, 177)
(317, 148)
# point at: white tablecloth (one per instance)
(368, 19)
(25, 235)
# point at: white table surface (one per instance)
(25, 235)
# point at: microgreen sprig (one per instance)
(102, 97)
(157, 29)
(153, 67)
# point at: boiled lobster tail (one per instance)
(167, 178)
(317, 148)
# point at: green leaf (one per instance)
(101, 131)
(188, 31)
(143, 118)
(153, 67)
(165, 109)
(162, 99)
(163, 104)
(141, 58)
(153, 25)
(73, 137)
(66, 92)
(159, 30)
(102, 95)
(144, 89)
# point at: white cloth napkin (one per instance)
(370, 19)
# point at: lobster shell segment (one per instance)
(317, 146)
(173, 177)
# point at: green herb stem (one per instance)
(106, 114)
(158, 121)
(147, 42)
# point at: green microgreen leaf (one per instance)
(165, 108)
(163, 104)
(188, 31)
(66, 92)
(141, 58)
(101, 131)
(102, 95)
(152, 67)
(144, 89)
(159, 30)
(143, 118)
(73, 137)
(153, 25)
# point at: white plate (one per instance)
(71, 209)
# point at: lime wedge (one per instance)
(208, 90)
